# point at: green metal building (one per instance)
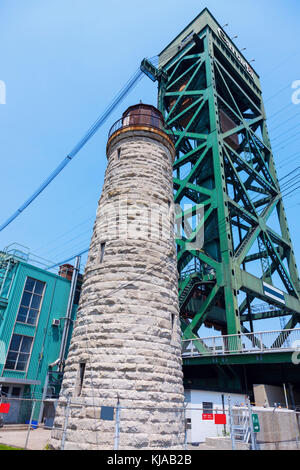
(33, 323)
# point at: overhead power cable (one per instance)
(291, 192)
(89, 134)
(278, 112)
(291, 172)
(277, 93)
(285, 133)
(83, 252)
(153, 60)
(284, 192)
(290, 160)
(284, 122)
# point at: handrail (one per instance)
(141, 119)
(243, 334)
(260, 341)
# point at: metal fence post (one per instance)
(29, 425)
(253, 437)
(117, 427)
(261, 342)
(297, 430)
(44, 397)
(63, 439)
(185, 427)
(231, 424)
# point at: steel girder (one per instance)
(225, 187)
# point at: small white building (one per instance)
(202, 406)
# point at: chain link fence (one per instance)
(23, 422)
(28, 423)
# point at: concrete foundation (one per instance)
(279, 429)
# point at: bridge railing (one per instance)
(244, 343)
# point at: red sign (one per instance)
(220, 419)
(4, 407)
(207, 416)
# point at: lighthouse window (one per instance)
(102, 250)
(173, 329)
(80, 378)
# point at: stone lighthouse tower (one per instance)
(125, 346)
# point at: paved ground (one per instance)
(38, 438)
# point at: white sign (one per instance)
(274, 293)
(234, 51)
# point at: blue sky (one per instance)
(64, 60)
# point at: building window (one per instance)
(10, 391)
(31, 301)
(16, 391)
(19, 352)
(4, 391)
(208, 407)
(188, 423)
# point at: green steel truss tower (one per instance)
(233, 241)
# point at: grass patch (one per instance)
(4, 447)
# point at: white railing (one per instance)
(244, 343)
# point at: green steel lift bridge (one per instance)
(233, 242)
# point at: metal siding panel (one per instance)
(54, 305)
(11, 311)
(48, 338)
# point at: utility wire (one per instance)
(89, 219)
(277, 93)
(89, 134)
(85, 139)
(254, 199)
(222, 223)
(289, 181)
(282, 189)
(290, 160)
(284, 132)
(155, 59)
(287, 139)
(147, 270)
(67, 259)
(283, 122)
(278, 112)
(291, 191)
(283, 177)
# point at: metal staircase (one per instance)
(188, 283)
(242, 430)
(186, 288)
